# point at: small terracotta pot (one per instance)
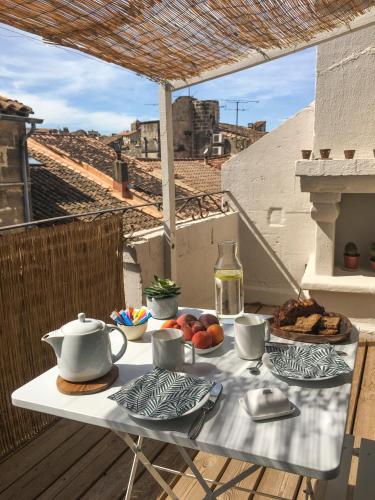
(349, 154)
(306, 153)
(324, 154)
(351, 261)
(372, 262)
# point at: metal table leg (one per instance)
(147, 464)
(134, 469)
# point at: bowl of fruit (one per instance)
(205, 332)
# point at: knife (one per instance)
(197, 425)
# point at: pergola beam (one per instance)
(168, 183)
(257, 57)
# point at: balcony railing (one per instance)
(192, 207)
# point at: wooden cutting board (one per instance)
(84, 388)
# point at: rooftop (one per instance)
(58, 190)
(13, 107)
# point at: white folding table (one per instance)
(309, 442)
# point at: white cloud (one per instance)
(58, 113)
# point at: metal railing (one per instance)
(195, 207)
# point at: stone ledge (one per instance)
(361, 281)
(335, 168)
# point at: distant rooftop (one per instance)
(13, 107)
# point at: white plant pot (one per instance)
(163, 308)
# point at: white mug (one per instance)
(168, 349)
(249, 336)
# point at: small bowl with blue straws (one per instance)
(132, 321)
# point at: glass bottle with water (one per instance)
(229, 296)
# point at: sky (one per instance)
(71, 89)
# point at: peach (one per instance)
(202, 340)
(186, 320)
(208, 319)
(217, 333)
(170, 323)
(187, 332)
(197, 326)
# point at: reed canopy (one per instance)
(176, 40)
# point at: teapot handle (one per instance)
(116, 357)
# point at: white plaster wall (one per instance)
(345, 95)
(196, 255)
(276, 230)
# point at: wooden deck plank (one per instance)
(276, 482)
(78, 478)
(356, 386)
(48, 470)
(210, 466)
(252, 308)
(31, 454)
(114, 480)
(267, 310)
(365, 416)
(251, 482)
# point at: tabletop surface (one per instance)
(309, 442)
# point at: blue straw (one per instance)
(125, 318)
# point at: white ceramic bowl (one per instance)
(134, 332)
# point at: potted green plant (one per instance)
(372, 253)
(351, 256)
(162, 298)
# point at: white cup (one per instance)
(249, 336)
(168, 349)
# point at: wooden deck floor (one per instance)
(72, 460)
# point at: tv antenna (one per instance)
(237, 102)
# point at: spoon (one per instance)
(254, 370)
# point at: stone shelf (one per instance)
(335, 168)
(359, 281)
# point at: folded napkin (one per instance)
(310, 361)
(162, 394)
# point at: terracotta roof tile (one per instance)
(57, 190)
(12, 107)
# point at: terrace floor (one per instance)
(71, 460)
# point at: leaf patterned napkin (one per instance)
(162, 394)
(311, 361)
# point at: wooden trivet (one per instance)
(83, 388)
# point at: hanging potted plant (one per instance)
(372, 258)
(162, 298)
(351, 256)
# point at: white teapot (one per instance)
(83, 349)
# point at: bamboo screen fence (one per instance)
(47, 276)
(177, 39)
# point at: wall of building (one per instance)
(150, 139)
(196, 255)
(276, 230)
(206, 119)
(11, 187)
(345, 97)
(182, 112)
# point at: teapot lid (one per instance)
(82, 326)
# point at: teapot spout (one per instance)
(55, 339)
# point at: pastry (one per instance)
(288, 313)
(330, 322)
(328, 331)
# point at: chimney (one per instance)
(121, 177)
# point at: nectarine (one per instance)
(170, 323)
(202, 340)
(208, 319)
(217, 334)
(185, 320)
(197, 326)
(187, 332)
